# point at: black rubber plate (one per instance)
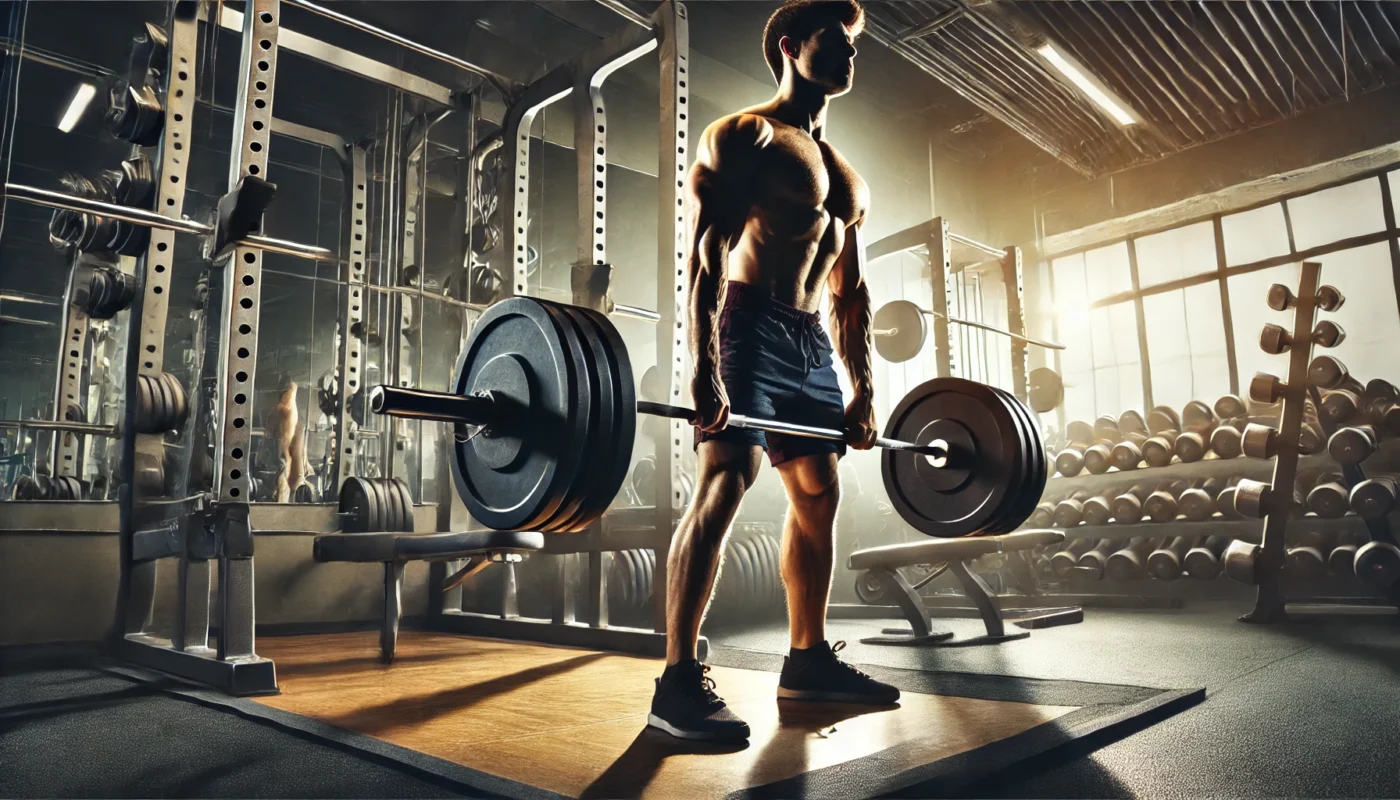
(1039, 473)
(408, 524)
(579, 510)
(356, 505)
(624, 435)
(913, 485)
(1011, 509)
(522, 493)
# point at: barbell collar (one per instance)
(150, 219)
(398, 401)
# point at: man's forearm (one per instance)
(852, 315)
(707, 268)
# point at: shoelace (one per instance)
(707, 686)
(838, 647)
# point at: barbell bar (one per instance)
(900, 330)
(485, 410)
(138, 216)
(545, 409)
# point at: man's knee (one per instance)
(814, 484)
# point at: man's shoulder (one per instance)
(743, 129)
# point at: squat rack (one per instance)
(948, 255)
(200, 530)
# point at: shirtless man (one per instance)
(775, 216)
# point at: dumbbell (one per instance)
(1163, 418)
(1253, 499)
(1091, 565)
(1230, 407)
(1130, 561)
(1328, 499)
(1131, 422)
(1080, 434)
(1375, 498)
(1341, 559)
(1307, 557)
(1043, 516)
(1378, 563)
(1159, 448)
(1166, 562)
(1280, 298)
(1225, 441)
(1098, 510)
(1064, 562)
(1202, 562)
(1097, 458)
(1161, 505)
(1275, 340)
(1106, 429)
(1069, 461)
(1127, 507)
(1225, 501)
(1198, 503)
(1070, 511)
(1352, 445)
(1126, 455)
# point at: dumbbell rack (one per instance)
(1262, 564)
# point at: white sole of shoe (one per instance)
(833, 697)
(698, 736)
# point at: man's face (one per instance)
(828, 59)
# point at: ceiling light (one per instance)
(1087, 85)
(77, 106)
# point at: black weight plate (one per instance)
(1035, 485)
(601, 424)
(178, 405)
(408, 522)
(384, 522)
(647, 558)
(632, 585)
(507, 481)
(959, 501)
(775, 555)
(910, 331)
(1026, 469)
(755, 574)
(166, 401)
(145, 405)
(397, 511)
(588, 405)
(765, 569)
(625, 406)
(1010, 519)
(356, 505)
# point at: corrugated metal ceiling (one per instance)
(1194, 72)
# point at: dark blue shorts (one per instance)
(776, 363)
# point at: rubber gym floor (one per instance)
(1303, 709)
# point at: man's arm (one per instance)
(719, 191)
(851, 315)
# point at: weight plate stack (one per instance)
(511, 477)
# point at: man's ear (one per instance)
(788, 47)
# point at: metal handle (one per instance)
(936, 450)
(397, 401)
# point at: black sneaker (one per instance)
(817, 674)
(686, 706)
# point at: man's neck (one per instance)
(801, 104)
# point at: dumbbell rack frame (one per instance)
(1270, 601)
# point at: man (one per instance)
(775, 216)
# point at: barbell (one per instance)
(544, 410)
(900, 330)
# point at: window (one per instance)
(1174, 254)
(1102, 365)
(1186, 345)
(1255, 235)
(1341, 212)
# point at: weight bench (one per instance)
(884, 563)
(395, 550)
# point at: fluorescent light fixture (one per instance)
(77, 106)
(1087, 85)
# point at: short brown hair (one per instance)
(800, 19)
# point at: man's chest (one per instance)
(810, 174)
